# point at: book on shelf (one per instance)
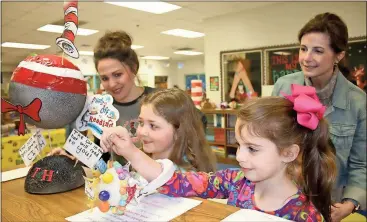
(219, 120)
(219, 150)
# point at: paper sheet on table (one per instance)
(155, 207)
(14, 174)
(251, 215)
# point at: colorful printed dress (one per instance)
(233, 185)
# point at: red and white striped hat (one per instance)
(50, 72)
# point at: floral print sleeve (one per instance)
(204, 185)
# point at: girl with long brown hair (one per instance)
(170, 128)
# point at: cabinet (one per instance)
(220, 134)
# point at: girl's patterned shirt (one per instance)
(233, 185)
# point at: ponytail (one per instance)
(319, 168)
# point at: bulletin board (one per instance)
(280, 61)
(228, 64)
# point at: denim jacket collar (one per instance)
(340, 97)
(340, 94)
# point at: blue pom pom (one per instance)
(104, 195)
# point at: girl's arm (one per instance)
(119, 141)
(204, 185)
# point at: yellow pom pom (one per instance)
(107, 178)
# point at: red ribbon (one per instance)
(307, 105)
(32, 110)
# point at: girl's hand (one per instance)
(118, 140)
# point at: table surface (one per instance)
(18, 205)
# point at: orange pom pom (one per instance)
(104, 206)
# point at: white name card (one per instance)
(32, 147)
(83, 149)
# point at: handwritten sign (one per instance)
(282, 62)
(83, 149)
(32, 147)
(98, 112)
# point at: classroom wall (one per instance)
(270, 25)
(191, 66)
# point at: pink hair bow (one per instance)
(307, 105)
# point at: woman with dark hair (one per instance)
(117, 65)
(323, 43)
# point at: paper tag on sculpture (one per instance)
(98, 113)
(88, 188)
(83, 149)
(32, 147)
(81, 122)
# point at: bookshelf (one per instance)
(220, 134)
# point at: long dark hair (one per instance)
(116, 45)
(177, 107)
(315, 167)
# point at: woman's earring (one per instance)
(335, 64)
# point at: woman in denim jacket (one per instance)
(323, 44)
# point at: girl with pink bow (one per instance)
(287, 166)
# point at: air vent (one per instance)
(61, 22)
(184, 49)
(85, 45)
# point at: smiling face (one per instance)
(116, 78)
(258, 157)
(156, 134)
(316, 56)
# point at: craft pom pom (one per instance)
(104, 195)
(104, 206)
(107, 178)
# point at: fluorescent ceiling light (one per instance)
(86, 53)
(155, 57)
(24, 45)
(137, 46)
(281, 53)
(190, 53)
(152, 7)
(183, 33)
(60, 29)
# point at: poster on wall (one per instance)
(214, 83)
(241, 74)
(160, 82)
